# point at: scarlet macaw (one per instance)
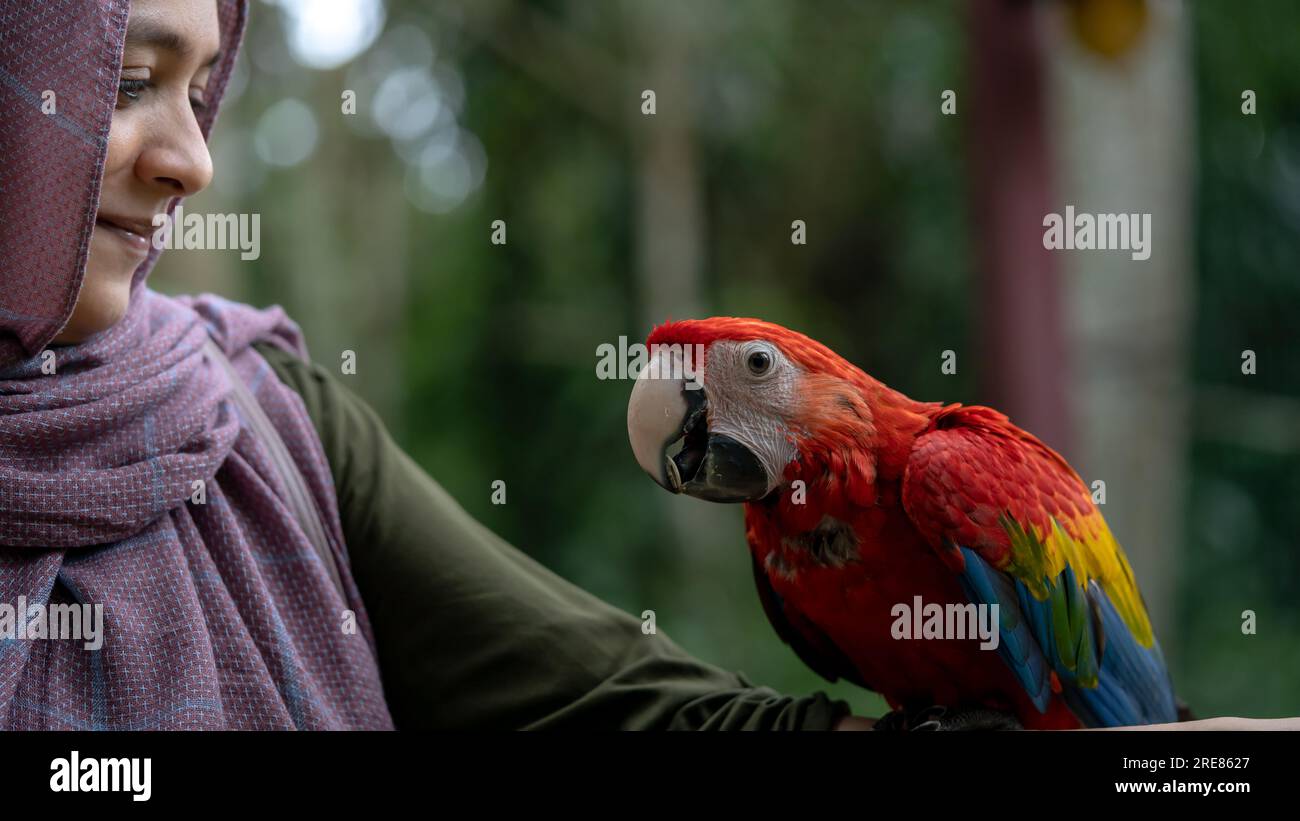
(859, 499)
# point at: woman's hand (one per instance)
(852, 722)
(1222, 723)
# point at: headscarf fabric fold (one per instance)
(129, 480)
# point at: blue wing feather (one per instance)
(1133, 684)
(1016, 641)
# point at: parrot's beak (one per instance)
(667, 424)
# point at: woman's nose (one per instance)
(176, 155)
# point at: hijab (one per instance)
(129, 479)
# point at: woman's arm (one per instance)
(472, 633)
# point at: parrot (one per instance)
(860, 502)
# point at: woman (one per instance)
(264, 554)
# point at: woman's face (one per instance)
(155, 149)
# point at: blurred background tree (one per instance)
(481, 358)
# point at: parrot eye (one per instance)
(759, 362)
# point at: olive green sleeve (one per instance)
(472, 633)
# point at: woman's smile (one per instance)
(131, 234)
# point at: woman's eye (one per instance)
(759, 362)
(131, 89)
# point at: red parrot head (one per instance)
(730, 409)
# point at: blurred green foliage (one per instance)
(482, 358)
(1243, 518)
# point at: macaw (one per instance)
(860, 501)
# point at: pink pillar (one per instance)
(1023, 364)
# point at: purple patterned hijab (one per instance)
(215, 615)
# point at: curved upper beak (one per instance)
(667, 425)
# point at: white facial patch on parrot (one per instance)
(751, 404)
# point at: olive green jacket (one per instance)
(472, 633)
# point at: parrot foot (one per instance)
(939, 718)
(895, 721)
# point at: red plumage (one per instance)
(911, 480)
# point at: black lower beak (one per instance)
(728, 472)
(713, 467)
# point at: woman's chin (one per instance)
(103, 301)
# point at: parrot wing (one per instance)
(1019, 528)
(809, 643)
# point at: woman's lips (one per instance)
(131, 233)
